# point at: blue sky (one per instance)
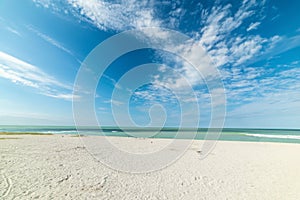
(255, 45)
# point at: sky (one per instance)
(253, 45)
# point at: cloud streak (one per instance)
(14, 31)
(23, 73)
(253, 26)
(53, 42)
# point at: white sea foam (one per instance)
(274, 136)
(59, 132)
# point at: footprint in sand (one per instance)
(5, 185)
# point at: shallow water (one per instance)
(256, 135)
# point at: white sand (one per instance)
(56, 167)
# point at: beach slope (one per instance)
(60, 167)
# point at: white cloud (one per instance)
(216, 35)
(220, 22)
(156, 94)
(52, 41)
(226, 47)
(276, 110)
(9, 26)
(14, 31)
(121, 15)
(246, 49)
(222, 46)
(113, 81)
(68, 97)
(253, 84)
(114, 102)
(253, 26)
(102, 108)
(23, 73)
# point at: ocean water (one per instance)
(255, 135)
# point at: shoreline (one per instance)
(265, 138)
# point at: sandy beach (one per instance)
(60, 167)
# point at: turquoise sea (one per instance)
(229, 134)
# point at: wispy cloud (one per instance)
(9, 26)
(268, 97)
(220, 22)
(276, 109)
(220, 39)
(253, 26)
(155, 94)
(247, 84)
(224, 47)
(215, 36)
(113, 81)
(23, 73)
(217, 32)
(14, 31)
(102, 109)
(280, 45)
(52, 41)
(116, 15)
(114, 102)
(119, 16)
